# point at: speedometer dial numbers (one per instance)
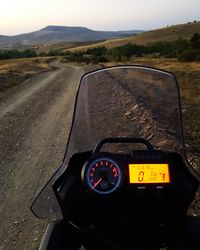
(103, 176)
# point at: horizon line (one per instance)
(114, 30)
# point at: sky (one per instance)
(21, 16)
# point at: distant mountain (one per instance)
(55, 34)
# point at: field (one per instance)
(14, 71)
(171, 33)
(60, 46)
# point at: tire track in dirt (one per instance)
(34, 124)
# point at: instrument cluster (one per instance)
(106, 173)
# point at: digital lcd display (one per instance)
(149, 173)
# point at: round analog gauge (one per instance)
(103, 176)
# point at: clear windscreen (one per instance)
(124, 101)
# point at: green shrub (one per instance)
(126, 51)
(99, 59)
(12, 54)
(189, 55)
(98, 51)
(195, 41)
(168, 49)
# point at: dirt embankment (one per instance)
(34, 123)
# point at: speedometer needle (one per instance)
(97, 183)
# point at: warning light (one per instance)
(149, 173)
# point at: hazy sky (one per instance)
(20, 16)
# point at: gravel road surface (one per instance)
(34, 124)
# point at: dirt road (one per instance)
(34, 123)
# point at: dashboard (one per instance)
(106, 174)
(111, 191)
(121, 195)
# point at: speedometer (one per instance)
(103, 176)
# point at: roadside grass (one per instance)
(25, 65)
(14, 71)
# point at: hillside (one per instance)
(171, 33)
(57, 34)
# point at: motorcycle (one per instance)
(125, 182)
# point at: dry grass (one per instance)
(57, 46)
(24, 65)
(171, 33)
(63, 46)
(188, 76)
(14, 71)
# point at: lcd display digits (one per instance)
(149, 173)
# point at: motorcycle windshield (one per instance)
(123, 101)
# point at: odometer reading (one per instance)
(103, 176)
(149, 173)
